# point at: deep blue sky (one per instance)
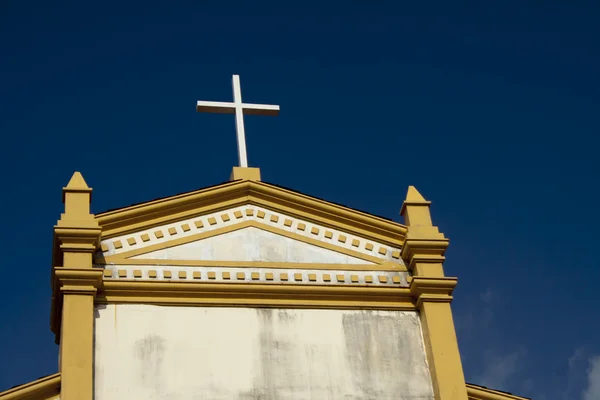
(489, 108)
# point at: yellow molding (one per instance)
(235, 227)
(72, 321)
(437, 290)
(256, 275)
(423, 251)
(46, 388)
(77, 276)
(389, 266)
(319, 243)
(476, 392)
(231, 194)
(256, 295)
(239, 292)
(173, 243)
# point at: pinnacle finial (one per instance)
(413, 196)
(77, 182)
(415, 209)
(77, 185)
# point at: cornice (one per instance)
(121, 288)
(81, 281)
(424, 251)
(256, 295)
(156, 212)
(289, 201)
(388, 266)
(476, 392)
(74, 239)
(41, 389)
(339, 242)
(172, 209)
(435, 290)
(78, 239)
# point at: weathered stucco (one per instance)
(252, 244)
(153, 352)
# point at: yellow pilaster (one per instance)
(74, 284)
(423, 253)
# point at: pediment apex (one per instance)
(249, 193)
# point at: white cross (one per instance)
(239, 109)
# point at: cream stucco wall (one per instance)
(153, 352)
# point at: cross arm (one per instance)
(219, 107)
(260, 109)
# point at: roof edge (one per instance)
(477, 392)
(231, 194)
(39, 389)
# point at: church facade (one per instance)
(247, 290)
(250, 291)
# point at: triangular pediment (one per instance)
(252, 244)
(125, 221)
(247, 233)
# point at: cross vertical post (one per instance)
(239, 122)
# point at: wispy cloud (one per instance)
(486, 296)
(574, 378)
(592, 391)
(504, 368)
(499, 368)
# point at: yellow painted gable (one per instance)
(155, 253)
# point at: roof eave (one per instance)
(476, 392)
(40, 389)
(231, 194)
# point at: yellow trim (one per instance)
(389, 266)
(476, 392)
(232, 228)
(423, 253)
(46, 388)
(231, 194)
(74, 285)
(239, 292)
(173, 243)
(319, 243)
(255, 295)
(442, 350)
(77, 347)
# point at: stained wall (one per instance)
(156, 352)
